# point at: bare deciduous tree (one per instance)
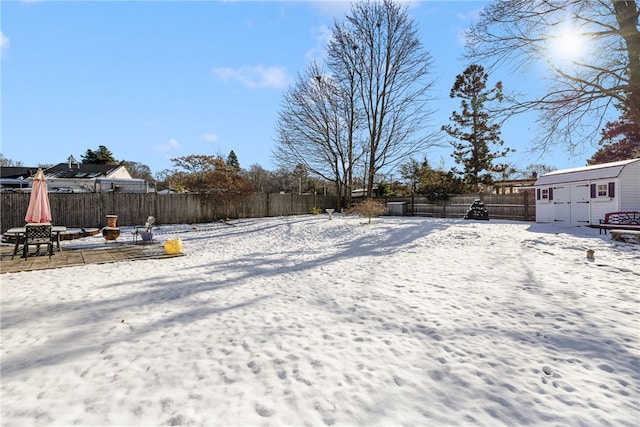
(584, 89)
(203, 173)
(260, 178)
(5, 161)
(313, 128)
(345, 71)
(368, 111)
(138, 170)
(379, 44)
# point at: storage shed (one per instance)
(397, 208)
(582, 196)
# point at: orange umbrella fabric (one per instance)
(39, 210)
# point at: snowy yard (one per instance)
(306, 321)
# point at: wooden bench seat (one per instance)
(629, 220)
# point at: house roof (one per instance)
(81, 171)
(515, 182)
(586, 173)
(17, 171)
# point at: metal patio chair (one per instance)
(145, 232)
(37, 235)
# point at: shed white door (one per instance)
(562, 204)
(580, 204)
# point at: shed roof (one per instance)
(586, 173)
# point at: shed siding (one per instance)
(621, 181)
(629, 188)
(599, 206)
(544, 212)
(545, 209)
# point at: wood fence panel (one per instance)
(323, 202)
(13, 210)
(255, 207)
(519, 206)
(76, 210)
(279, 204)
(89, 209)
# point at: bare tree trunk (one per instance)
(627, 13)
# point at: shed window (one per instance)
(603, 190)
(545, 194)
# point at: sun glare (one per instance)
(566, 45)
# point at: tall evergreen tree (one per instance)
(101, 157)
(232, 160)
(620, 141)
(473, 130)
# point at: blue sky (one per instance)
(155, 80)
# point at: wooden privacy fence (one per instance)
(90, 209)
(519, 206)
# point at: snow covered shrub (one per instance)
(370, 208)
(316, 210)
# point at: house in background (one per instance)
(582, 196)
(16, 177)
(512, 186)
(76, 178)
(92, 178)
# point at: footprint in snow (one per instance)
(263, 411)
(254, 367)
(399, 381)
(606, 368)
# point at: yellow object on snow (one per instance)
(173, 246)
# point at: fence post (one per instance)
(266, 206)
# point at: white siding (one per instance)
(580, 201)
(562, 203)
(120, 173)
(545, 209)
(630, 188)
(625, 176)
(600, 206)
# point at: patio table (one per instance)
(19, 232)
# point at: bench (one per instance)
(620, 220)
(618, 234)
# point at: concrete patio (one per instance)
(71, 256)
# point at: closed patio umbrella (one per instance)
(39, 210)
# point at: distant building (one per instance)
(16, 177)
(359, 193)
(77, 178)
(513, 186)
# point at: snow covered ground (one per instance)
(307, 321)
